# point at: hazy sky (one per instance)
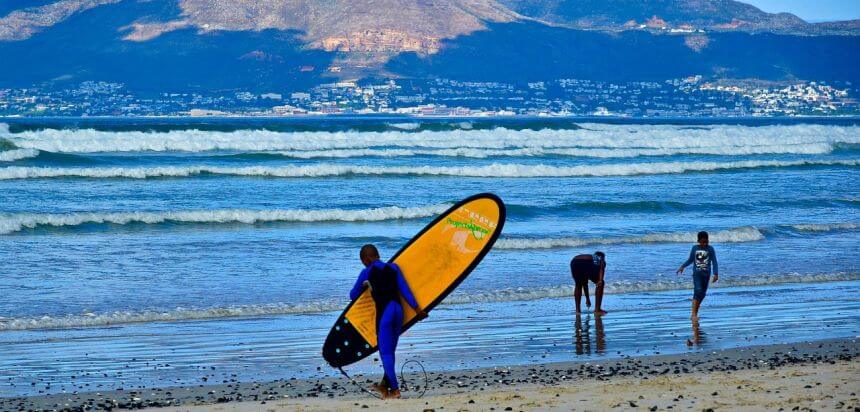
(812, 10)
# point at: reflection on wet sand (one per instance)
(582, 335)
(698, 337)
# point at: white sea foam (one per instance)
(176, 314)
(809, 149)
(405, 126)
(808, 138)
(827, 227)
(492, 170)
(621, 287)
(734, 235)
(10, 223)
(17, 154)
(330, 305)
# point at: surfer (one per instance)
(584, 268)
(704, 257)
(387, 285)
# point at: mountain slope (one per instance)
(617, 13)
(89, 46)
(411, 25)
(178, 45)
(342, 25)
(519, 52)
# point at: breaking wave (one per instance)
(10, 223)
(808, 149)
(17, 154)
(405, 126)
(827, 227)
(734, 235)
(728, 139)
(459, 297)
(492, 170)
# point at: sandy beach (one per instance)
(816, 386)
(816, 375)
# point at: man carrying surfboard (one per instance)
(584, 268)
(387, 285)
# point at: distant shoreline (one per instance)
(370, 119)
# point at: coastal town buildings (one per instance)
(692, 96)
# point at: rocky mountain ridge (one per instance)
(393, 26)
(157, 45)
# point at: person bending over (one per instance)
(387, 285)
(584, 268)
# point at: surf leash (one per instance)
(404, 382)
(374, 394)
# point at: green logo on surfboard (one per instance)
(477, 231)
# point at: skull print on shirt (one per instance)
(701, 260)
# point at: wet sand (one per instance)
(817, 375)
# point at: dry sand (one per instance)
(822, 386)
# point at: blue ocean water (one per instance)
(139, 224)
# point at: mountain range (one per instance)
(160, 45)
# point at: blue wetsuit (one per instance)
(704, 258)
(389, 312)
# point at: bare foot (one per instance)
(599, 312)
(395, 394)
(382, 389)
(689, 342)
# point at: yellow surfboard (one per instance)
(434, 262)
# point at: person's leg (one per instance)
(579, 272)
(398, 326)
(696, 334)
(598, 299)
(389, 333)
(383, 337)
(700, 287)
(598, 294)
(577, 295)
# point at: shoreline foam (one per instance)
(519, 294)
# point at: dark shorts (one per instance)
(584, 270)
(700, 285)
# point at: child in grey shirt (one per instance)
(703, 257)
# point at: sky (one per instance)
(812, 10)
